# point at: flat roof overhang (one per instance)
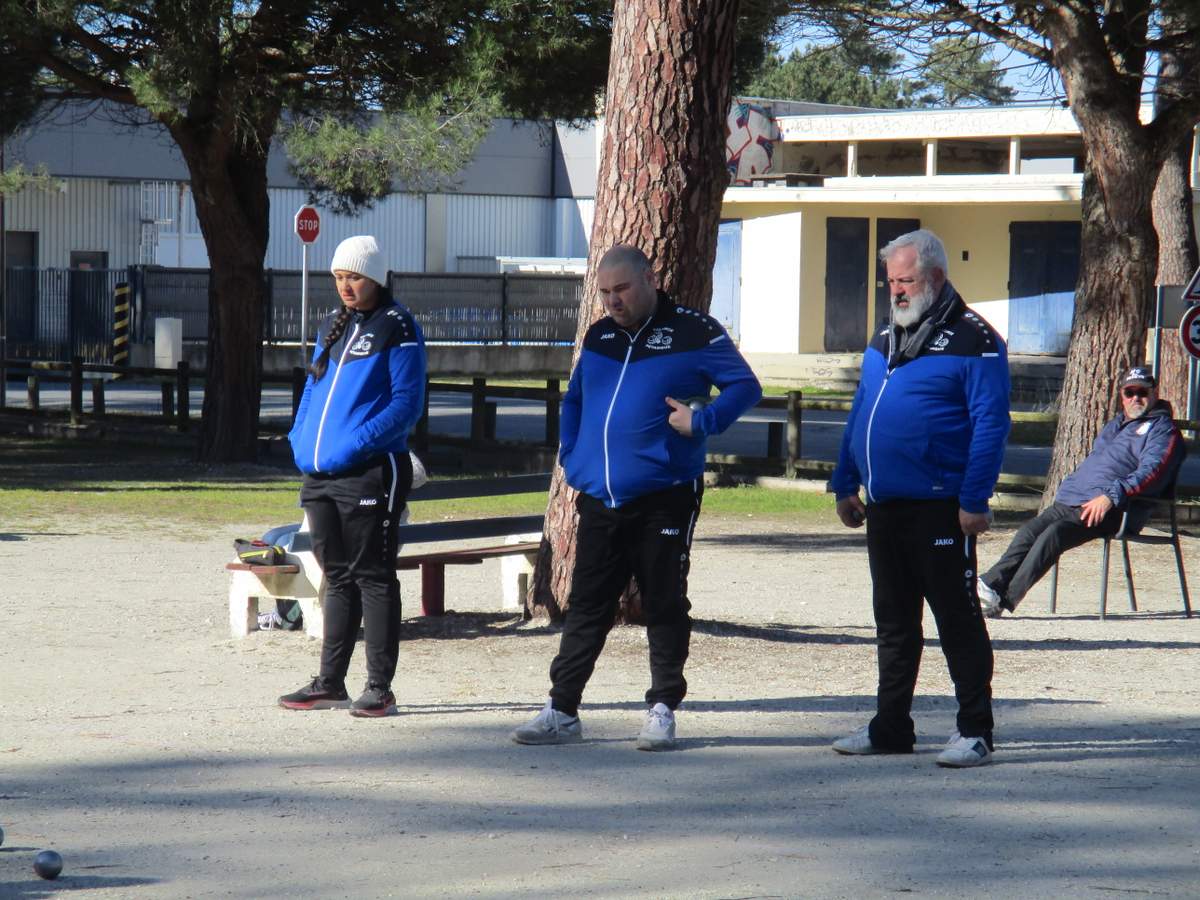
(922, 189)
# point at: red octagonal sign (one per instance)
(307, 224)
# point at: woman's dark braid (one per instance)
(321, 363)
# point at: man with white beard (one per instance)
(925, 438)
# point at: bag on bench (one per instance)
(258, 553)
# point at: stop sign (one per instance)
(307, 224)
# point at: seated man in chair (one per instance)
(1136, 455)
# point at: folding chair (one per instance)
(1171, 536)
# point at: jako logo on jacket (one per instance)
(931, 422)
(616, 442)
(370, 397)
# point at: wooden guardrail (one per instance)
(783, 444)
(176, 384)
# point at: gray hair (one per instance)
(931, 253)
(624, 255)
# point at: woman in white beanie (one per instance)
(365, 391)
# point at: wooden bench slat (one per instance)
(466, 556)
(460, 530)
(262, 570)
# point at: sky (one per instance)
(1025, 75)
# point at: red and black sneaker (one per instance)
(318, 694)
(377, 700)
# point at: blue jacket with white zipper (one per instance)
(929, 421)
(370, 396)
(616, 443)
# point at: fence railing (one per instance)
(455, 307)
(60, 313)
(55, 314)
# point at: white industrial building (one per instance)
(124, 199)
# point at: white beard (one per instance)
(918, 304)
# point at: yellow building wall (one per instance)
(982, 233)
(979, 230)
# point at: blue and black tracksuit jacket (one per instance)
(929, 421)
(370, 396)
(1130, 458)
(616, 442)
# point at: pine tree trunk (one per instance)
(1177, 253)
(229, 185)
(1119, 250)
(659, 187)
(1112, 307)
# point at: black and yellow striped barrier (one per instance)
(120, 355)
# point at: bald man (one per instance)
(634, 423)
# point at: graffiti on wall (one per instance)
(750, 136)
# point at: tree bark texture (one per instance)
(1176, 229)
(229, 185)
(1112, 303)
(1119, 250)
(659, 187)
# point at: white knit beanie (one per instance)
(360, 254)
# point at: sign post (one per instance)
(307, 226)
(1189, 336)
(1191, 293)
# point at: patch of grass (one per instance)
(531, 504)
(47, 480)
(810, 392)
(766, 503)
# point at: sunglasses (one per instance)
(1132, 392)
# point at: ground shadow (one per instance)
(820, 703)
(789, 542)
(37, 887)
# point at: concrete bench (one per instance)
(300, 577)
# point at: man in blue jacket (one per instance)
(634, 420)
(1137, 454)
(925, 438)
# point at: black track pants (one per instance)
(917, 551)
(649, 538)
(1038, 544)
(353, 518)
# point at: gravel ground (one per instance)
(143, 744)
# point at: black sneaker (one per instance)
(377, 700)
(319, 694)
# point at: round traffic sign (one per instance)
(307, 224)
(1189, 331)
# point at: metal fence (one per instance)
(54, 314)
(450, 307)
(172, 294)
(282, 317)
(459, 308)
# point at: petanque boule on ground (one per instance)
(48, 864)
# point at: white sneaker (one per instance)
(550, 727)
(658, 732)
(857, 743)
(964, 752)
(989, 600)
